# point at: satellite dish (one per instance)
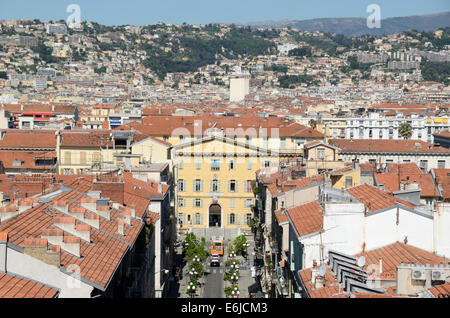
(322, 270)
(361, 261)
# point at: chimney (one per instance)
(159, 188)
(3, 251)
(53, 236)
(77, 213)
(89, 203)
(127, 218)
(104, 211)
(93, 220)
(83, 231)
(381, 265)
(120, 228)
(130, 211)
(62, 205)
(27, 204)
(8, 212)
(71, 244)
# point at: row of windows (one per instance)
(215, 186)
(197, 219)
(215, 165)
(423, 163)
(198, 203)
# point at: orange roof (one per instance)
(382, 145)
(307, 218)
(394, 254)
(17, 287)
(407, 173)
(441, 291)
(28, 139)
(375, 199)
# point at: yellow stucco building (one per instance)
(215, 177)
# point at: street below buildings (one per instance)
(214, 283)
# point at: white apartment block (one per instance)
(381, 127)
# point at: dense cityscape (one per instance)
(223, 161)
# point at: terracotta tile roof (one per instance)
(142, 188)
(14, 287)
(394, 254)
(394, 146)
(91, 138)
(100, 259)
(289, 185)
(307, 218)
(281, 216)
(440, 291)
(28, 139)
(407, 174)
(249, 124)
(331, 287)
(375, 199)
(20, 159)
(442, 179)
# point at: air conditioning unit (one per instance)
(418, 274)
(438, 275)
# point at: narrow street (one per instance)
(214, 284)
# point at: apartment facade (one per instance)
(214, 183)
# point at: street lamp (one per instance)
(191, 289)
(236, 292)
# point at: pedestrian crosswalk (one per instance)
(214, 271)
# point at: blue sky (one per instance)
(140, 12)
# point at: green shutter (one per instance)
(229, 186)
(236, 186)
(298, 256)
(201, 218)
(193, 185)
(201, 185)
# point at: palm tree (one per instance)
(405, 130)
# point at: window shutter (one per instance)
(184, 219)
(218, 182)
(298, 256)
(229, 186)
(193, 186)
(181, 164)
(193, 202)
(210, 186)
(184, 202)
(228, 219)
(201, 218)
(201, 203)
(236, 186)
(184, 185)
(201, 185)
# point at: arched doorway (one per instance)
(215, 215)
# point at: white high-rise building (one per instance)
(239, 87)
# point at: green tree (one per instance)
(405, 130)
(240, 243)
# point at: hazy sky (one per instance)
(140, 12)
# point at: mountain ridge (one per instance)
(358, 26)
